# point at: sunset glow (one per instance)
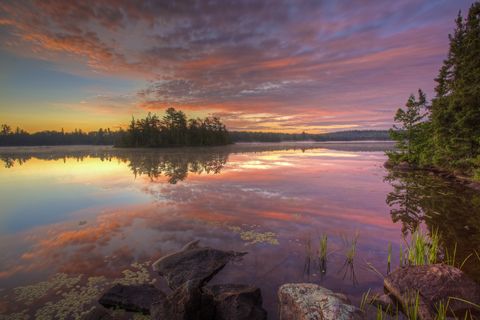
(266, 66)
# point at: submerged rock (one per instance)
(237, 302)
(308, 301)
(434, 284)
(136, 298)
(193, 263)
(186, 303)
(98, 313)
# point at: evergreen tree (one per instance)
(450, 136)
(456, 106)
(410, 130)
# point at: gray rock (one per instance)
(308, 301)
(185, 303)
(193, 263)
(237, 302)
(433, 283)
(136, 298)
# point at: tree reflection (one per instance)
(175, 167)
(420, 197)
(151, 163)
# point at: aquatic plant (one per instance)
(351, 248)
(389, 257)
(22, 315)
(423, 249)
(402, 254)
(380, 314)
(364, 300)
(322, 252)
(442, 310)
(74, 303)
(411, 308)
(30, 293)
(450, 257)
(70, 297)
(253, 237)
(139, 275)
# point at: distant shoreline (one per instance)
(375, 145)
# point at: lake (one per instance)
(74, 220)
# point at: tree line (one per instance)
(445, 133)
(173, 130)
(20, 137)
(351, 135)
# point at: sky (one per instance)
(282, 66)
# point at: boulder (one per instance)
(193, 263)
(136, 298)
(308, 301)
(237, 302)
(186, 303)
(433, 283)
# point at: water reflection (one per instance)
(97, 211)
(421, 198)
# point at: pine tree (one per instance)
(456, 106)
(410, 129)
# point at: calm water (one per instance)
(73, 220)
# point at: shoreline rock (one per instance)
(308, 301)
(237, 302)
(186, 272)
(135, 298)
(193, 262)
(434, 284)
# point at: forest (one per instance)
(445, 132)
(174, 129)
(351, 135)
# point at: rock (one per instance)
(401, 166)
(308, 301)
(237, 302)
(136, 298)
(98, 313)
(434, 283)
(185, 303)
(193, 263)
(384, 301)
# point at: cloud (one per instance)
(277, 57)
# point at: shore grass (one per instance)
(412, 308)
(423, 249)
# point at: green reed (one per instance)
(411, 308)
(442, 310)
(365, 300)
(351, 248)
(322, 252)
(423, 249)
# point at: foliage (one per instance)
(352, 135)
(21, 137)
(411, 130)
(423, 249)
(446, 134)
(174, 129)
